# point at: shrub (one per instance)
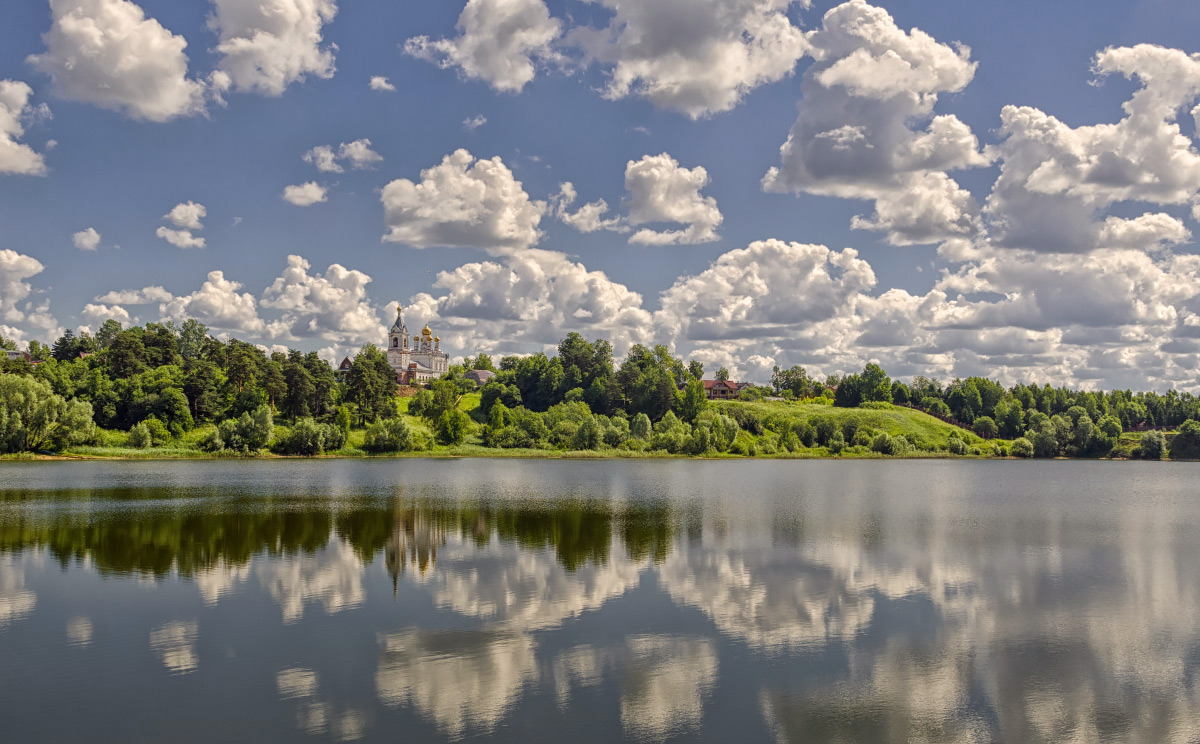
(341, 420)
(159, 434)
(587, 436)
(1022, 447)
(956, 445)
(139, 437)
(837, 443)
(877, 405)
(33, 417)
(389, 435)
(451, 427)
(1187, 440)
(1154, 445)
(248, 433)
(639, 428)
(985, 427)
(309, 438)
(806, 433)
(825, 428)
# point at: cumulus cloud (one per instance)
(305, 194)
(501, 42)
(266, 45)
(15, 112)
(358, 154)
(181, 238)
(86, 240)
(530, 299)
(15, 271)
(332, 306)
(462, 202)
(94, 315)
(219, 304)
(187, 215)
(380, 83)
(588, 218)
(699, 66)
(146, 296)
(109, 54)
(471, 123)
(1056, 180)
(660, 190)
(870, 85)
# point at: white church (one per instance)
(422, 361)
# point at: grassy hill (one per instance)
(925, 432)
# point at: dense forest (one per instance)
(179, 389)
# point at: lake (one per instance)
(599, 601)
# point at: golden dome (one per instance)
(426, 332)
(437, 339)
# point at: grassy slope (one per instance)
(916, 426)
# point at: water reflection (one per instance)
(457, 679)
(913, 602)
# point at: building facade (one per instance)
(418, 361)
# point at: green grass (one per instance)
(918, 427)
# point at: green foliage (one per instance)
(309, 438)
(34, 417)
(140, 437)
(247, 434)
(693, 401)
(1186, 444)
(1153, 445)
(451, 427)
(341, 420)
(159, 433)
(1022, 447)
(985, 427)
(390, 435)
(371, 384)
(639, 427)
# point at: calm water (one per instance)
(599, 601)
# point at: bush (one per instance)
(1154, 445)
(159, 434)
(985, 427)
(837, 443)
(1022, 447)
(806, 433)
(956, 445)
(33, 417)
(451, 427)
(877, 405)
(825, 427)
(341, 420)
(587, 436)
(1186, 444)
(140, 437)
(248, 433)
(639, 427)
(309, 438)
(389, 435)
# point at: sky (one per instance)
(946, 188)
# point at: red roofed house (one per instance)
(721, 389)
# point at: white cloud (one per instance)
(1148, 232)
(146, 296)
(86, 240)
(588, 218)
(266, 45)
(15, 270)
(462, 202)
(699, 66)
(471, 123)
(501, 42)
(531, 298)
(181, 238)
(661, 190)
(15, 111)
(218, 304)
(870, 84)
(798, 295)
(332, 306)
(1055, 180)
(95, 315)
(187, 215)
(108, 53)
(357, 153)
(380, 83)
(305, 194)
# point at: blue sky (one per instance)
(1051, 273)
